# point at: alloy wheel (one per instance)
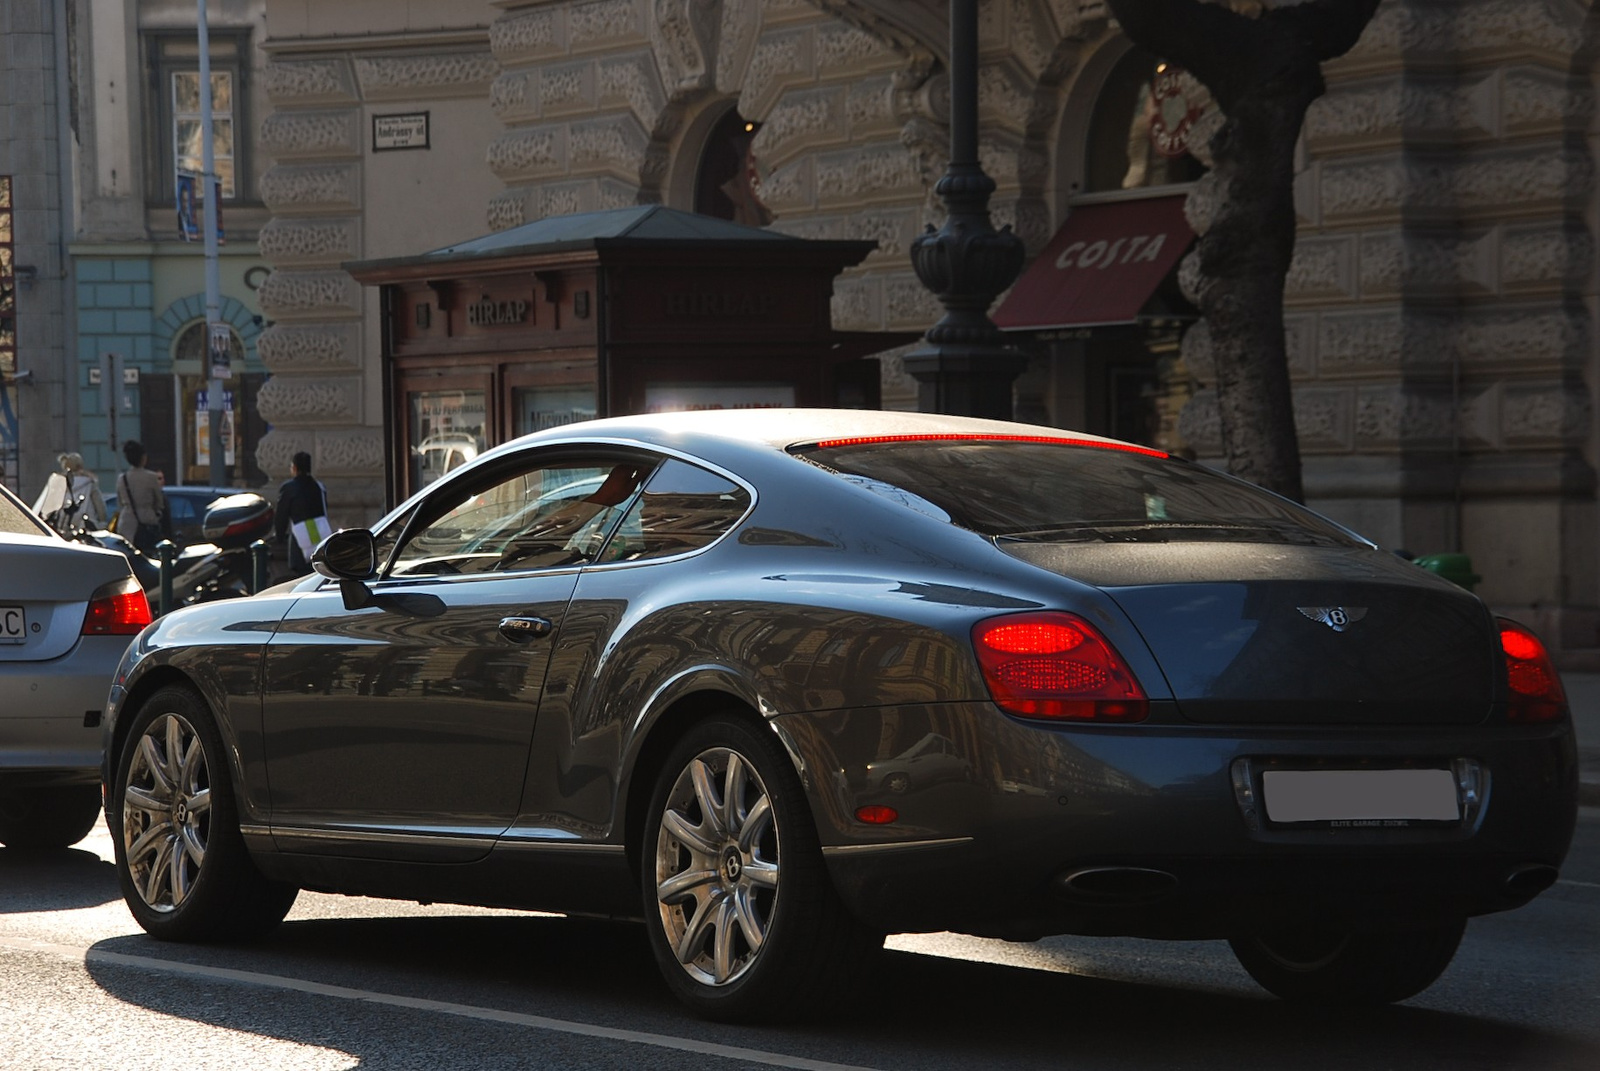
(717, 866)
(166, 812)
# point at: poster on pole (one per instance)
(188, 216)
(216, 194)
(202, 428)
(219, 347)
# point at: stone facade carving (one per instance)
(307, 241)
(310, 400)
(1545, 255)
(631, 80)
(317, 347)
(616, 143)
(308, 81)
(840, 45)
(802, 118)
(866, 173)
(310, 133)
(602, 22)
(433, 75)
(528, 152)
(1546, 413)
(285, 294)
(1393, 414)
(566, 87)
(778, 59)
(1322, 268)
(907, 304)
(528, 34)
(510, 98)
(1322, 418)
(684, 33)
(287, 188)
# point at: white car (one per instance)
(67, 613)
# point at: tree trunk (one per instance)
(1263, 73)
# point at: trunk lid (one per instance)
(45, 586)
(1250, 633)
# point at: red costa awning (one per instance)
(1100, 268)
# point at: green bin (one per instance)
(1456, 568)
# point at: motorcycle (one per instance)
(220, 568)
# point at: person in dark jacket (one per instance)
(300, 499)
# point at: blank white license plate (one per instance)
(13, 624)
(1360, 797)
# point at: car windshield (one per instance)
(1065, 491)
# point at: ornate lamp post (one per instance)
(964, 367)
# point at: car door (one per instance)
(401, 729)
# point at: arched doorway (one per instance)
(1100, 308)
(727, 184)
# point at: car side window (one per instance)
(683, 508)
(543, 517)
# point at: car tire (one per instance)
(897, 783)
(172, 794)
(1330, 967)
(57, 816)
(743, 920)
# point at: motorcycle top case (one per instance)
(237, 520)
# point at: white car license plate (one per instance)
(13, 624)
(1357, 798)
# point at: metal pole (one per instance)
(964, 365)
(211, 189)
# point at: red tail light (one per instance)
(117, 609)
(1056, 666)
(1535, 687)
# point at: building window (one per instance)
(173, 62)
(728, 185)
(188, 145)
(1141, 127)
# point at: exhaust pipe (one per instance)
(1116, 884)
(1529, 880)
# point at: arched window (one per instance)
(190, 345)
(1139, 133)
(727, 185)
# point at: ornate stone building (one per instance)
(1441, 300)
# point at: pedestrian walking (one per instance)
(302, 514)
(141, 500)
(86, 506)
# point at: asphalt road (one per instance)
(354, 983)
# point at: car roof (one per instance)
(784, 428)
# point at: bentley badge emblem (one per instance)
(1337, 618)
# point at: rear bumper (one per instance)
(51, 714)
(1143, 831)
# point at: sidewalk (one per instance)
(1583, 693)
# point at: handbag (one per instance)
(311, 531)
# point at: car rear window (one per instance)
(16, 520)
(1052, 491)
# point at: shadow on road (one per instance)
(919, 1011)
(61, 879)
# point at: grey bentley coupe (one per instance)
(781, 682)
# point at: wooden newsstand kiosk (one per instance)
(634, 310)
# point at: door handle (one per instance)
(523, 629)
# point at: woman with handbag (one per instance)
(142, 502)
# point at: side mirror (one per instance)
(351, 554)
